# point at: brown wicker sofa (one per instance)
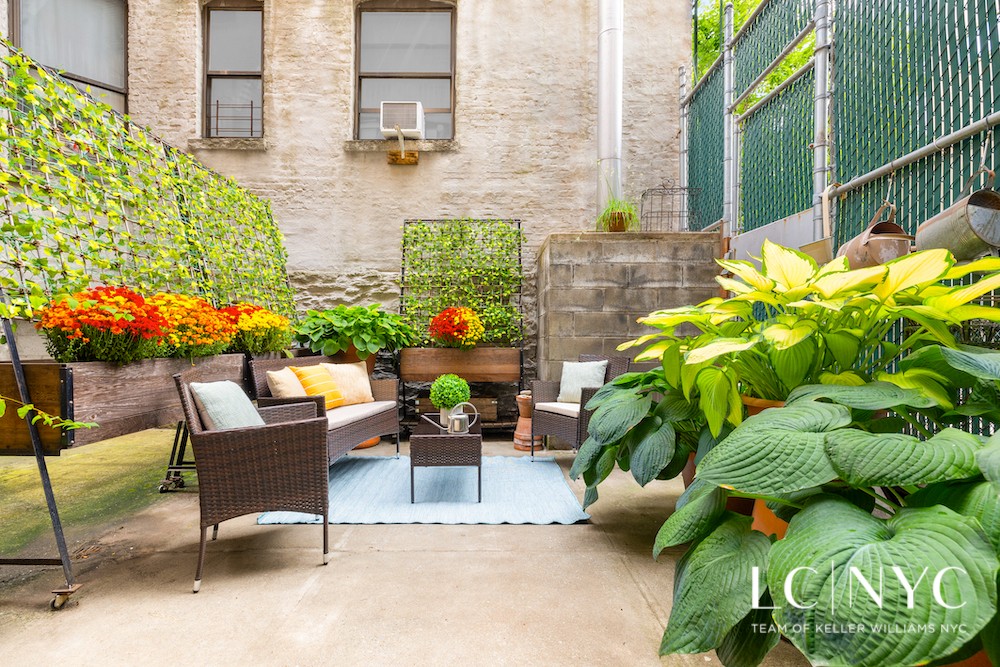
(568, 421)
(281, 466)
(348, 426)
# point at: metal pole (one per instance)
(821, 102)
(683, 167)
(728, 133)
(610, 78)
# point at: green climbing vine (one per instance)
(466, 262)
(87, 197)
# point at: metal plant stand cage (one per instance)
(476, 263)
(664, 208)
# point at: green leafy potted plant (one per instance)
(364, 329)
(447, 391)
(619, 215)
(819, 339)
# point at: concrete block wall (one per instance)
(593, 286)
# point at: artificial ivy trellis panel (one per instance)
(464, 262)
(90, 198)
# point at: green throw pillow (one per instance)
(579, 374)
(223, 405)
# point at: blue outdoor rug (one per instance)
(376, 489)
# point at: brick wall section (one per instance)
(592, 287)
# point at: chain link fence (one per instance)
(705, 148)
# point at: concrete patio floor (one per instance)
(586, 594)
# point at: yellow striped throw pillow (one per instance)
(317, 382)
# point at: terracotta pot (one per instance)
(522, 433)
(767, 521)
(350, 356)
(370, 442)
(978, 660)
(616, 222)
(755, 406)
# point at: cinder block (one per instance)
(662, 274)
(559, 324)
(560, 275)
(690, 247)
(656, 298)
(698, 274)
(571, 300)
(570, 349)
(584, 249)
(600, 324)
(600, 275)
(627, 250)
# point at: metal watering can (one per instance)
(882, 240)
(458, 420)
(968, 228)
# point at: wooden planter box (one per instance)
(480, 364)
(121, 399)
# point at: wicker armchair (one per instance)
(281, 466)
(344, 437)
(565, 420)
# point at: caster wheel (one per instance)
(58, 602)
(179, 483)
(164, 488)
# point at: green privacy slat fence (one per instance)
(776, 162)
(705, 148)
(87, 197)
(907, 72)
(766, 36)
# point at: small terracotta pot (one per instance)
(978, 660)
(767, 521)
(755, 406)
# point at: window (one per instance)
(406, 52)
(84, 39)
(234, 68)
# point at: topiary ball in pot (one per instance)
(448, 391)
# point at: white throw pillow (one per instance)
(223, 405)
(579, 374)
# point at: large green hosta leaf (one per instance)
(778, 451)
(617, 415)
(980, 500)
(871, 396)
(712, 586)
(653, 453)
(988, 459)
(831, 536)
(697, 511)
(746, 645)
(895, 459)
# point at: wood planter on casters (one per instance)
(120, 398)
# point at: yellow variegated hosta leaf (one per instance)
(975, 312)
(927, 382)
(835, 306)
(733, 285)
(963, 295)
(654, 351)
(837, 265)
(642, 340)
(718, 348)
(910, 270)
(757, 296)
(984, 265)
(783, 336)
(842, 283)
(747, 272)
(846, 379)
(928, 312)
(669, 321)
(788, 268)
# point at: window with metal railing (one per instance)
(234, 69)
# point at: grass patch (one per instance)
(93, 485)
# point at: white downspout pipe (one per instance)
(610, 78)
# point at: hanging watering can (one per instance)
(882, 241)
(968, 228)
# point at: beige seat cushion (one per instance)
(352, 381)
(567, 409)
(347, 414)
(285, 384)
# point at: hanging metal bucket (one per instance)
(882, 240)
(968, 228)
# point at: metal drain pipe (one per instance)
(610, 77)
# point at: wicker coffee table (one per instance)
(432, 447)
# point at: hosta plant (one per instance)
(841, 347)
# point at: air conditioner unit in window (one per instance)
(409, 116)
